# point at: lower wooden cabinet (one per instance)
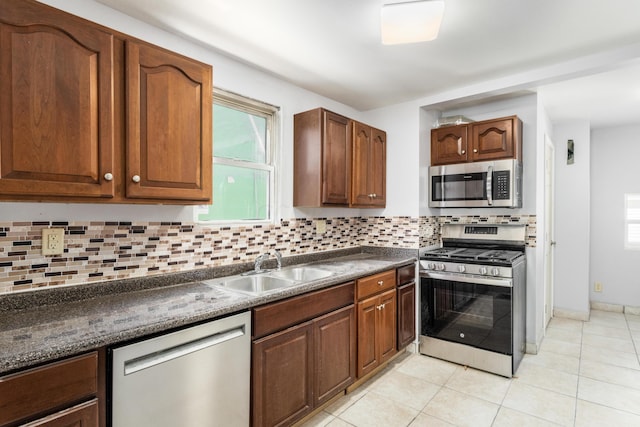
(406, 305)
(62, 393)
(299, 368)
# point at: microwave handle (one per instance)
(489, 185)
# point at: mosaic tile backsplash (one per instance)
(101, 251)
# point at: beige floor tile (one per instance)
(612, 357)
(551, 406)
(611, 395)
(339, 423)
(509, 418)
(567, 324)
(594, 329)
(406, 389)
(617, 344)
(560, 347)
(424, 420)
(461, 409)
(592, 415)
(633, 322)
(374, 410)
(559, 362)
(565, 335)
(321, 419)
(608, 318)
(479, 384)
(346, 401)
(610, 373)
(548, 379)
(428, 368)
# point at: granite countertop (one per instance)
(31, 334)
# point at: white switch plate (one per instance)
(52, 241)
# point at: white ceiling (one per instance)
(332, 47)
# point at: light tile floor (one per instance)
(586, 374)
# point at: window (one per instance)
(243, 160)
(632, 221)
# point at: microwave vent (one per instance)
(452, 120)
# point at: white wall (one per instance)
(615, 153)
(572, 218)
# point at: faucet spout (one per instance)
(278, 256)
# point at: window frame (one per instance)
(630, 198)
(272, 115)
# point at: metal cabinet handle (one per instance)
(381, 282)
(108, 176)
(135, 178)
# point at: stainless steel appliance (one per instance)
(478, 184)
(193, 377)
(472, 297)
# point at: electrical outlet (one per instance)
(321, 226)
(52, 241)
(597, 287)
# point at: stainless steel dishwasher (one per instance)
(194, 377)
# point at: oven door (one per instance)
(469, 310)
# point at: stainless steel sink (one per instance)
(255, 284)
(302, 274)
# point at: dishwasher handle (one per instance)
(147, 361)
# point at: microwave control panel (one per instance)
(501, 185)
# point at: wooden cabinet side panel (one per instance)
(307, 158)
(449, 145)
(57, 132)
(406, 315)
(335, 353)
(336, 159)
(367, 336)
(282, 369)
(169, 125)
(48, 388)
(387, 325)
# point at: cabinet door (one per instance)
(168, 127)
(335, 353)
(378, 168)
(367, 336)
(449, 145)
(336, 159)
(56, 109)
(406, 315)
(360, 191)
(386, 323)
(493, 140)
(84, 415)
(281, 376)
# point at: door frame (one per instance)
(549, 234)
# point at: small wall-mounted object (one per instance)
(570, 151)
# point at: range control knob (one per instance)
(441, 267)
(431, 266)
(462, 268)
(495, 271)
(483, 270)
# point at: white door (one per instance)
(549, 242)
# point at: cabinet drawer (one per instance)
(280, 315)
(44, 389)
(406, 274)
(371, 285)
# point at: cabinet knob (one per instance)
(475, 150)
(464, 152)
(370, 196)
(380, 282)
(108, 176)
(375, 195)
(135, 178)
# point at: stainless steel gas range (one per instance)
(472, 297)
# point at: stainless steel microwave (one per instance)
(494, 184)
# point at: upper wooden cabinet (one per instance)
(369, 182)
(92, 115)
(337, 161)
(479, 141)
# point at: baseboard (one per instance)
(571, 314)
(629, 309)
(603, 306)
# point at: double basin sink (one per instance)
(271, 280)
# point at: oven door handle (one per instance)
(505, 283)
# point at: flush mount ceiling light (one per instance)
(411, 22)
